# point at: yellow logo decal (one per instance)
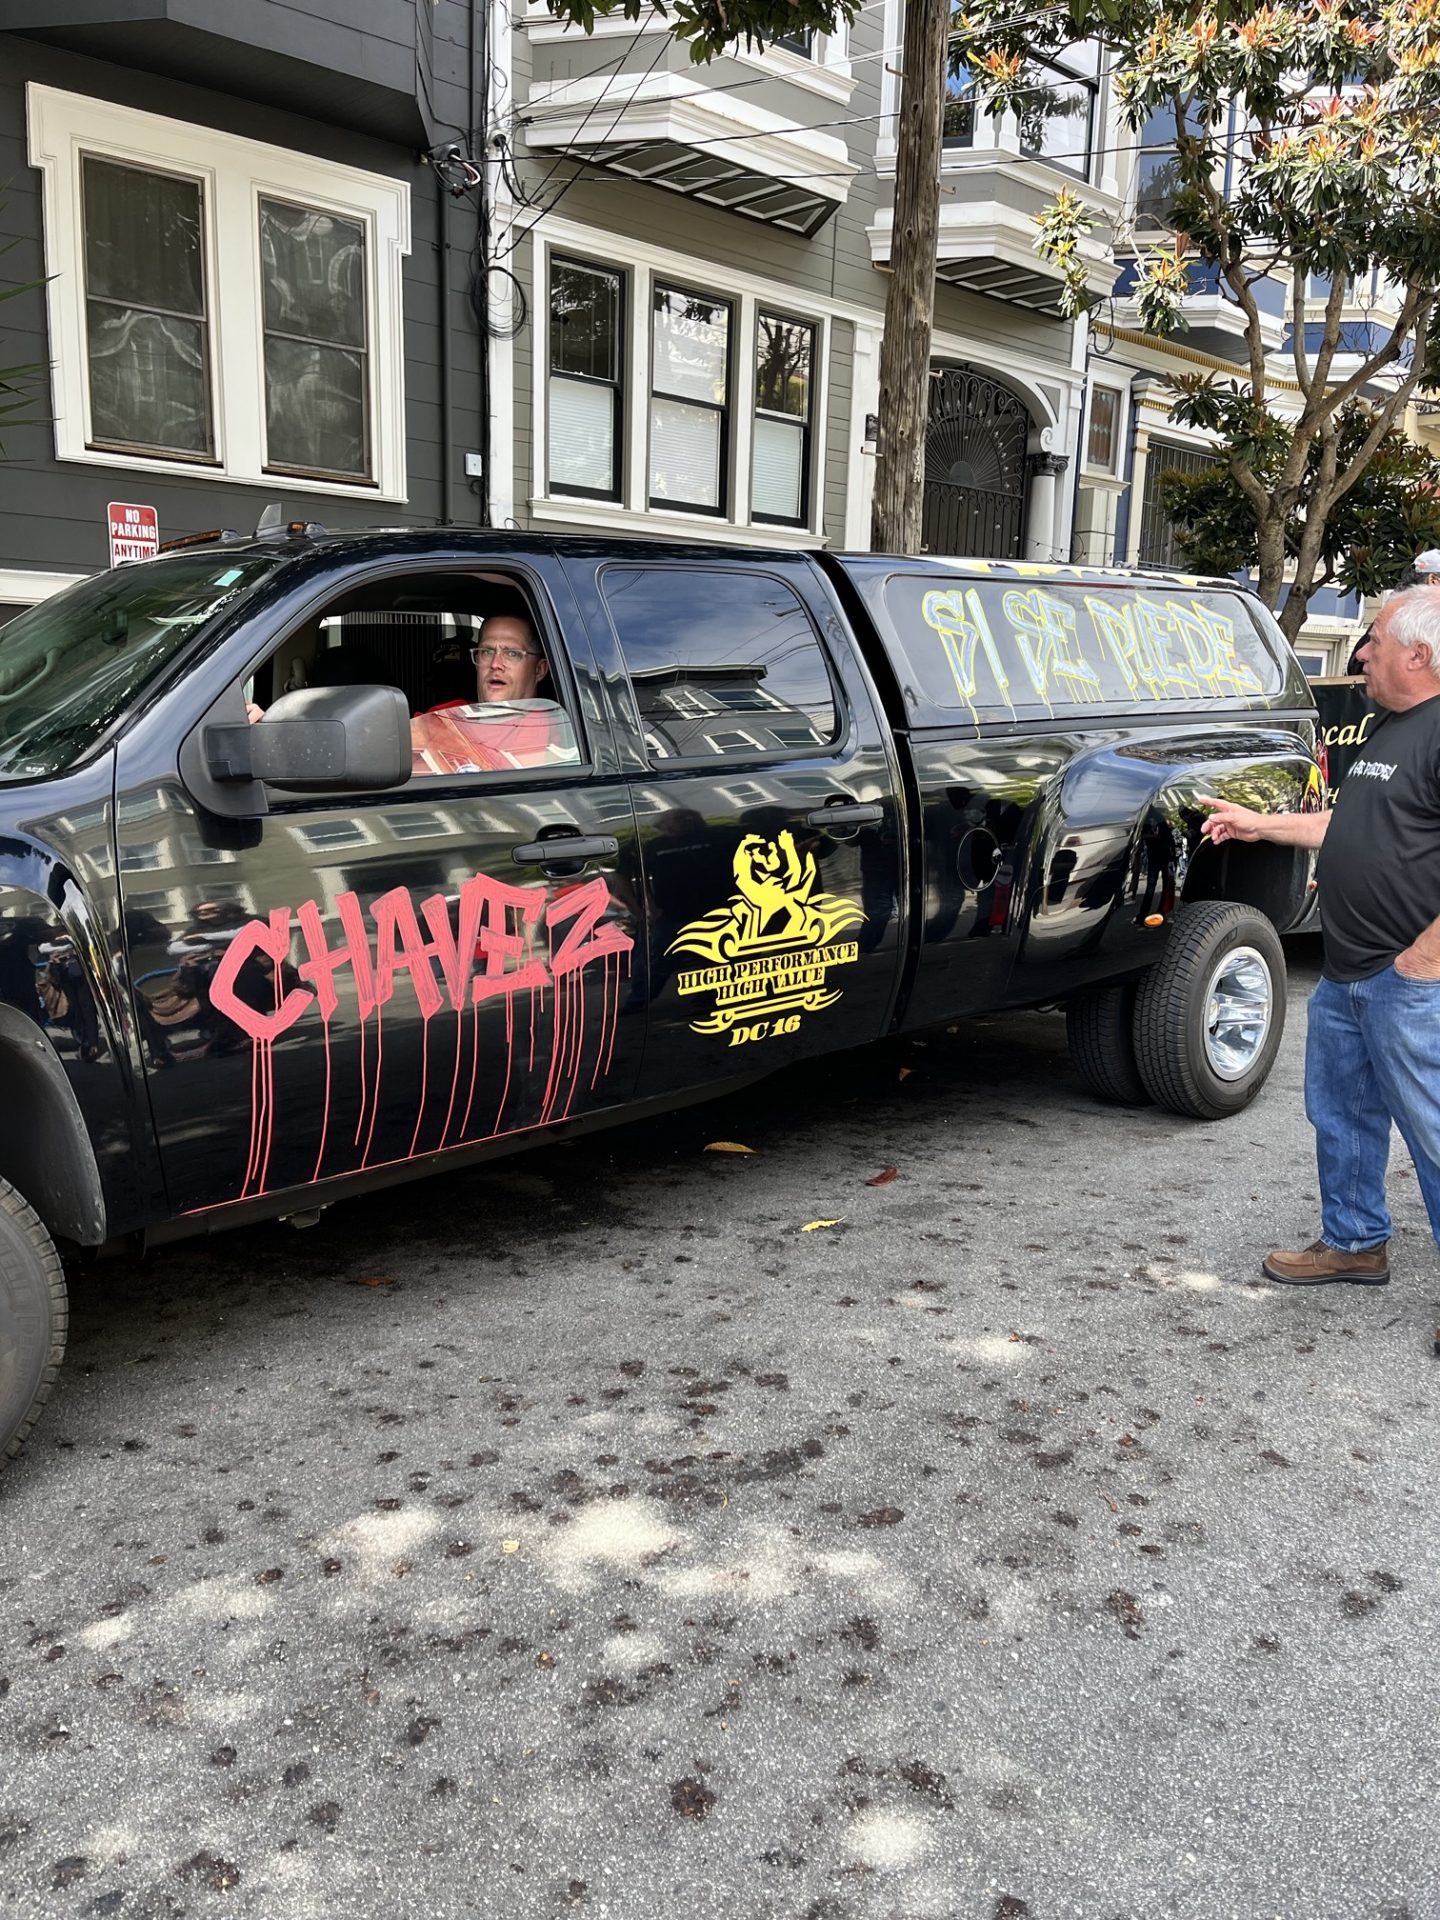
(771, 946)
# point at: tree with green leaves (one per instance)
(1368, 539)
(1306, 153)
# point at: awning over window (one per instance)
(671, 131)
(988, 247)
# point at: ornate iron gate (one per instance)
(974, 467)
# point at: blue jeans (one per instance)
(1372, 1055)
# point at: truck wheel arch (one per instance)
(34, 1318)
(1274, 880)
(45, 1151)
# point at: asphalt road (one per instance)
(583, 1537)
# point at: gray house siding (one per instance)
(52, 512)
(837, 449)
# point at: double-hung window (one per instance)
(587, 345)
(147, 311)
(1057, 122)
(312, 270)
(689, 400)
(784, 387)
(218, 306)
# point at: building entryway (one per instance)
(975, 478)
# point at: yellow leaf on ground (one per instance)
(814, 1225)
(727, 1146)
(511, 1546)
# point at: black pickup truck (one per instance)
(762, 805)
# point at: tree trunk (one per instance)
(1292, 615)
(895, 520)
(1271, 570)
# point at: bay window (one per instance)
(659, 401)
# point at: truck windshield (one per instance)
(71, 666)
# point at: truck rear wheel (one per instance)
(34, 1316)
(1210, 1013)
(1100, 1032)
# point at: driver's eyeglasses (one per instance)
(511, 654)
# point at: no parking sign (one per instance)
(134, 533)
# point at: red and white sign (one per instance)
(134, 533)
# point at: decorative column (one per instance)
(1044, 470)
(1148, 393)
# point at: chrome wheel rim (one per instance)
(1239, 1006)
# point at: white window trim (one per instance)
(643, 265)
(234, 174)
(21, 588)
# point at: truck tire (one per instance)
(1210, 1013)
(34, 1316)
(1100, 1032)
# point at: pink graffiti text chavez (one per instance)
(495, 942)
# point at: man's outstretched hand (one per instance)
(1230, 822)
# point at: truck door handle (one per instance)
(562, 849)
(847, 813)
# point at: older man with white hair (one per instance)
(1373, 1041)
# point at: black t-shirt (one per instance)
(1379, 868)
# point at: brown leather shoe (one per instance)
(1318, 1265)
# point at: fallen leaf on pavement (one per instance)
(510, 1546)
(727, 1146)
(813, 1226)
(374, 1280)
(884, 1177)
(690, 1799)
(905, 1073)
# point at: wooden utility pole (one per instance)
(895, 518)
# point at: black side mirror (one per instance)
(319, 740)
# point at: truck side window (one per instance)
(724, 664)
(468, 652)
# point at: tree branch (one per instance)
(1297, 328)
(1407, 323)
(1330, 338)
(1385, 418)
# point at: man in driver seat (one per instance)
(510, 723)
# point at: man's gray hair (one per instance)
(1412, 617)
